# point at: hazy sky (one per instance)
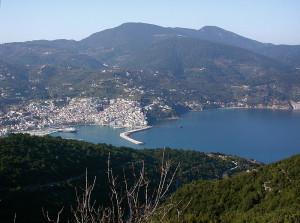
(275, 21)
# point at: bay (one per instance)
(263, 135)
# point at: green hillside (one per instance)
(43, 171)
(267, 194)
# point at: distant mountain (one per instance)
(267, 194)
(14, 81)
(283, 53)
(119, 44)
(131, 35)
(180, 55)
(145, 46)
(210, 64)
(199, 61)
(139, 35)
(219, 35)
(42, 52)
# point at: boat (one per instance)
(68, 130)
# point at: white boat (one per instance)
(68, 130)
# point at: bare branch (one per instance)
(130, 201)
(47, 217)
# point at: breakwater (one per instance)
(126, 135)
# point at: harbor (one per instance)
(124, 135)
(264, 136)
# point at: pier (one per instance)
(126, 135)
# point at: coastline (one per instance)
(126, 135)
(97, 135)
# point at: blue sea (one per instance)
(263, 135)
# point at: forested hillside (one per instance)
(266, 194)
(42, 172)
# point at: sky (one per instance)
(272, 21)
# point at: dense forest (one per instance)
(266, 194)
(43, 172)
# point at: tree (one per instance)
(132, 202)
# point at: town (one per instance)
(50, 115)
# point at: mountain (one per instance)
(14, 83)
(178, 51)
(142, 33)
(181, 54)
(219, 35)
(180, 65)
(58, 53)
(44, 171)
(133, 36)
(283, 53)
(197, 62)
(266, 194)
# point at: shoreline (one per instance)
(126, 135)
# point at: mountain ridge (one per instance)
(287, 53)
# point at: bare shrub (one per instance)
(130, 201)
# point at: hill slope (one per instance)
(284, 53)
(268, 194)
(43, 171)
(188, 53)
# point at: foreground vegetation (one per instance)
(267, 194)
(42, 172)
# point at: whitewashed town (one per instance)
(44, 117)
